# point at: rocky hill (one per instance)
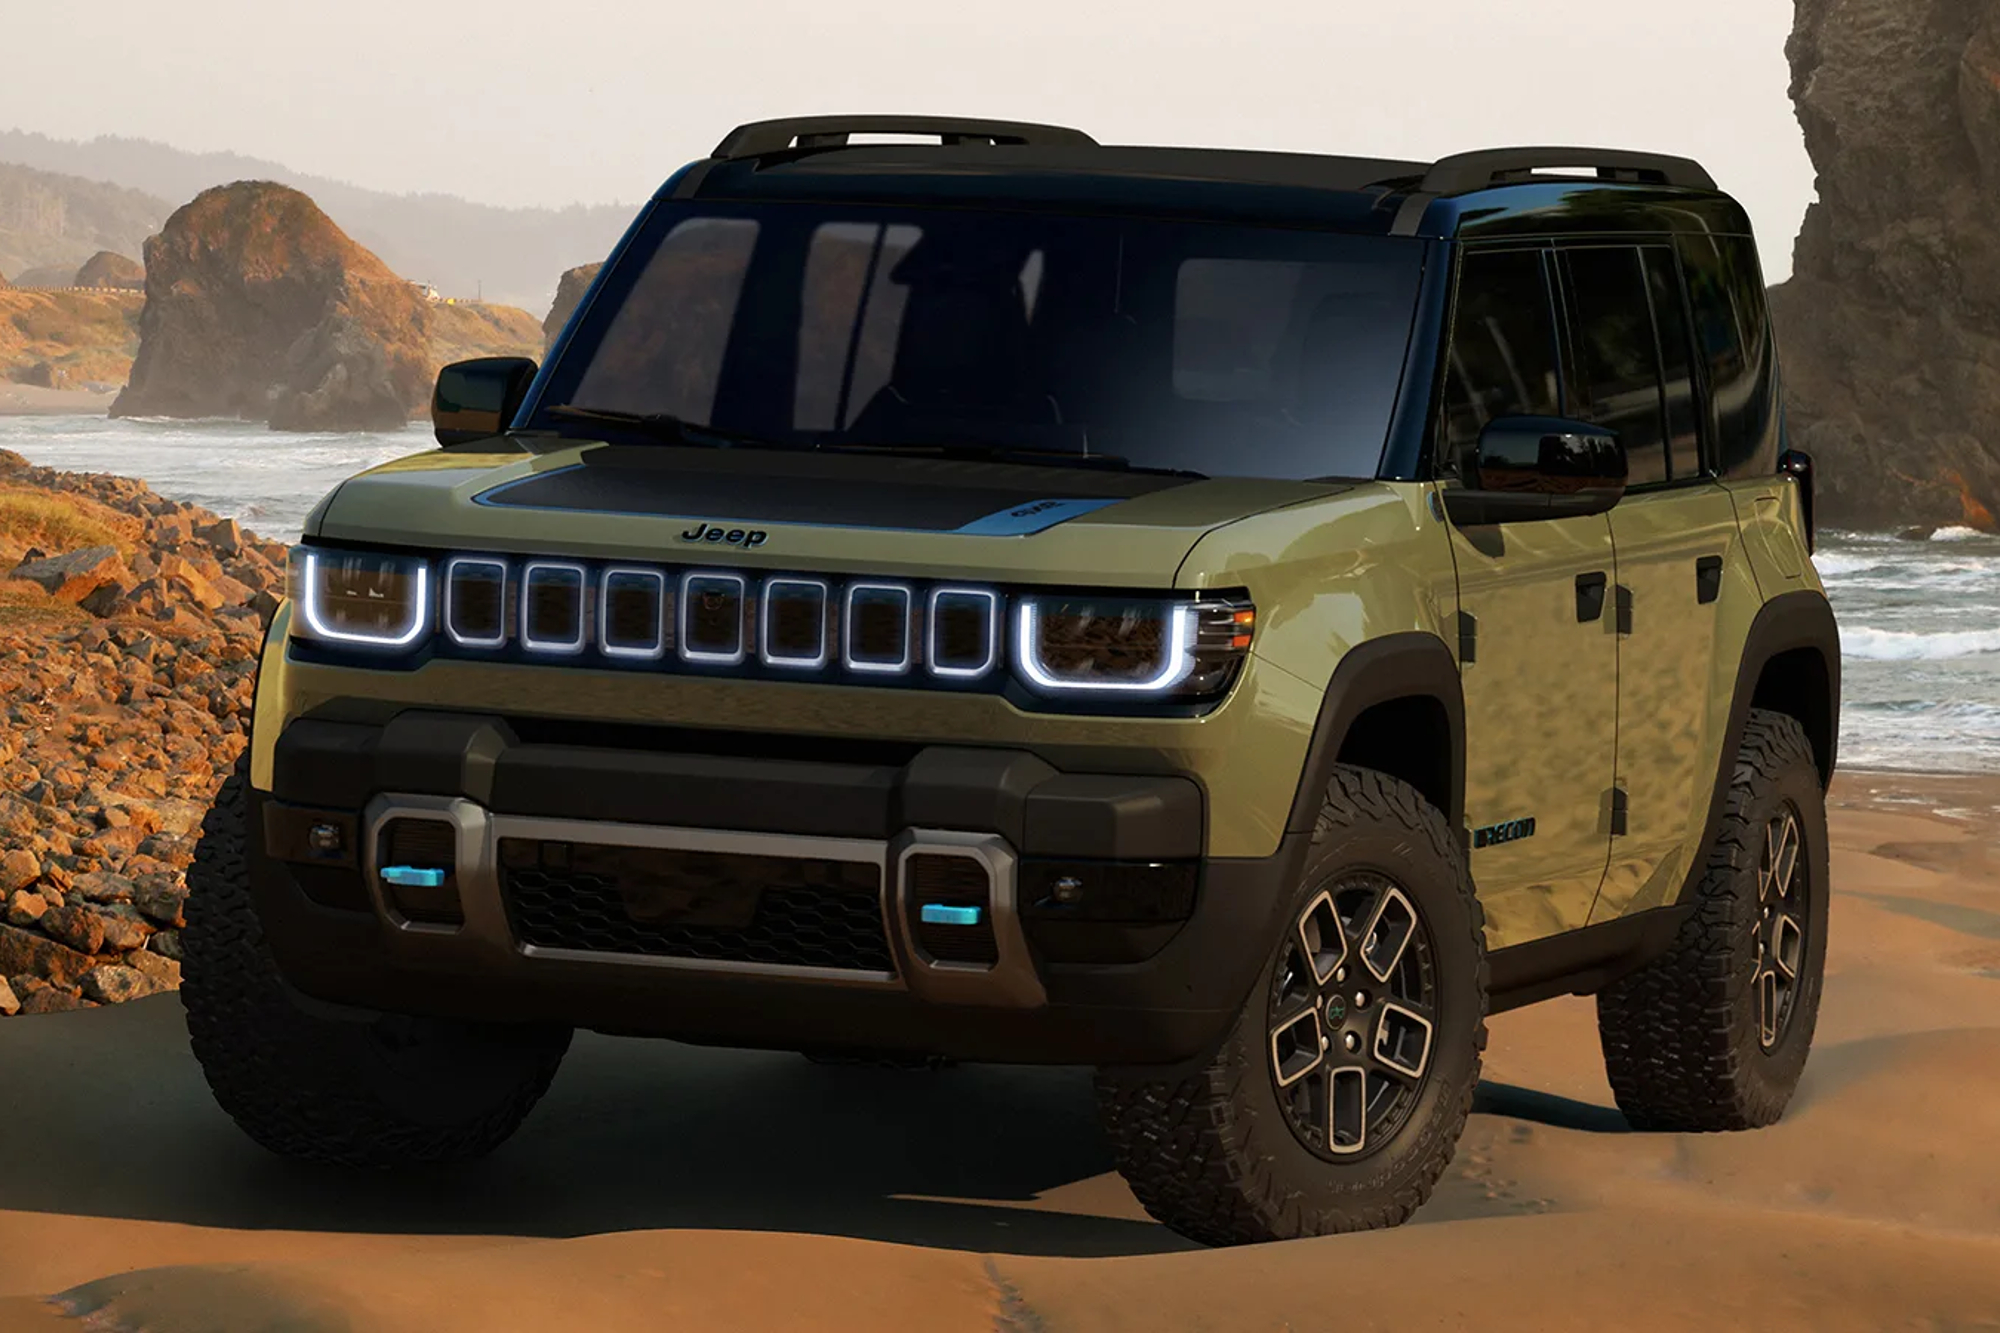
(258, 306)
(107, 268)
(78, 338)
(55, 222)
(129, 630)
(569, 294)
(1890, 326)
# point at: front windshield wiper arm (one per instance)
(1003, 453)
(669, 426)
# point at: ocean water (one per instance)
(1919, 620)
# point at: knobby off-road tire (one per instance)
(1713, 1034)
(384, 1093)
(1229, 1157)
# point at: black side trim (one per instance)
(1791, 622)
(1579, 962)
(1411, 664)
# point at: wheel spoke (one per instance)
(1787, 944)
(1347, 1109)
(1402, 1042)
(1297, 1047)
(1767, 1006)
(1781, 853)
(1390, 928)
(1322, 939)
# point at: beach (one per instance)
(668, 1186)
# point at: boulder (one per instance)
(24, 952)
(1889, 329)
(107, 268)
(74, 576)
(258, 306)
(569, 294)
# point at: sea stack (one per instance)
(259, 307)
(569, 294)
(1889, 329)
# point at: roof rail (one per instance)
(1488, 167)
(763, 137)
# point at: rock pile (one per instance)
(126, 675)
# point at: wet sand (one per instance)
(670, 1187)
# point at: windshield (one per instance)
(1216, 349)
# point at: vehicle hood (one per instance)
(802, 511)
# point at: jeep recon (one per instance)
(1231, 619)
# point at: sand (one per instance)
(28, 400)
(669, 1187)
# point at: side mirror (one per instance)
(1798, 465)
(475, 400)
(1526, 468)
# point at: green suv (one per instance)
(1231, 619)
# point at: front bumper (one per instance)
(839, 953)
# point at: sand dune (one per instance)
(662, 1186)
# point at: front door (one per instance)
(1538, 643)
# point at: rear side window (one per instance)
(1502, 359)
(1663, 284)
(1614, 378)
(1732, 329)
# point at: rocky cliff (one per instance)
(129, 630)
(1890, 327)
(569, 294)
(258, 306)
(107, 268)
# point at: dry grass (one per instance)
(90, 336)
(59, 523)
(468, 329)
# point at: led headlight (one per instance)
(360, 598)
(1180, 648)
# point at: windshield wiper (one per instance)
(1003, 453)
(665, 425)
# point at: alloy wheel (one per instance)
(1781, 929)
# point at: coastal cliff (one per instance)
(1890, 327)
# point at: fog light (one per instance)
(1067, 890)
(324, 839)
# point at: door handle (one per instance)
(1589, 596)
(1707, 579)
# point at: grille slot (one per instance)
(475, 602)
(711, 618)
(793, 633)
(671, 903)
(552, 607)
(964, 632)
(632, 612)
(876, 633)
(421, 845)
(946, 881)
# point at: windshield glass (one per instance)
(1218, 349)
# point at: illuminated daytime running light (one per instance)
(1178, 663)
(312, 607)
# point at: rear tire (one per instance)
(1382, 949)
(1714, 1034)
(394, 1091)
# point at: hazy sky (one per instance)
(541, 102)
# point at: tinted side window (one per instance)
(1615, 380)
(1676, 362)
(1733, 335)
(1502, 360)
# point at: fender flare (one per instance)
(1404, 665)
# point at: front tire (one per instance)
(1338, 1098)
(394, 1091)
(1714, 1034)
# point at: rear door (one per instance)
(1540, 679)
(1674, 536)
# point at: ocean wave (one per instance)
(1896, 645)
(1954, 532)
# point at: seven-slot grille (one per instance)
(790, 624)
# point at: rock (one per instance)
(258, 306)
(223, 535)
(161, 898)
(18, 869)
(25, 908)
(124, 929)
(569, 294)
(101, 886)
(163, 972)
(71, 577)
(167, 944)
(75, 926)
(107, 268)
(50, 1000)
(107, 600)
(112, 984)
(1889, 329)
(40, 375)
(9, 1006)
(24, 952)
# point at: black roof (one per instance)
(1024, 164)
